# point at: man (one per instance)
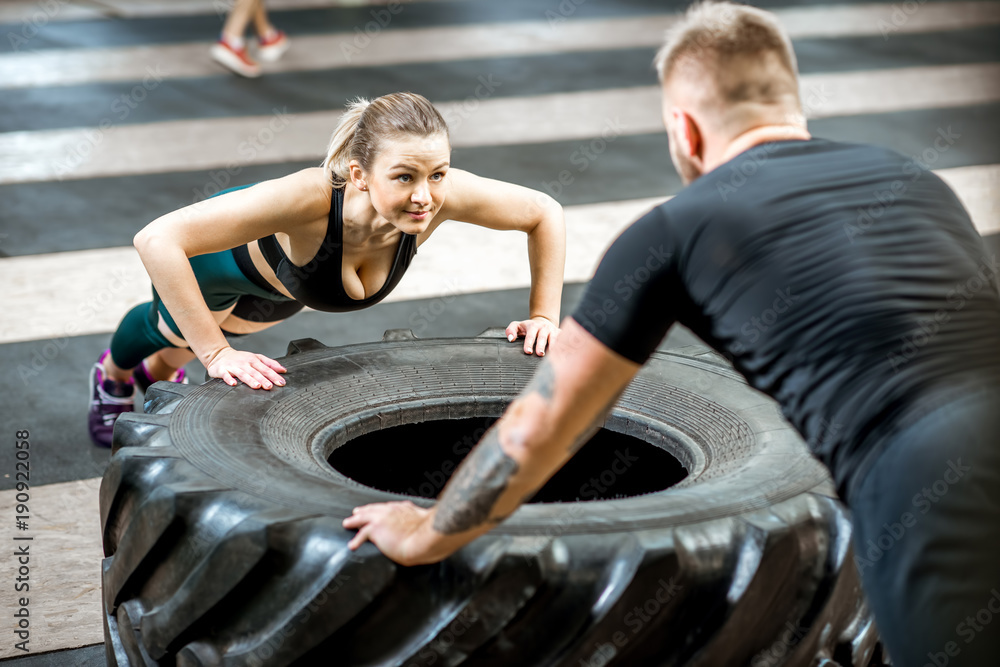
(841, 279)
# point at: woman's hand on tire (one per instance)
(254, 370)
(539, 334)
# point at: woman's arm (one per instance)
(505, 206)
(213, 225)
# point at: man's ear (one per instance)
(688, 134)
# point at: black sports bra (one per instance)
(320, 283)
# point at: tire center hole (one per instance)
(418, 459)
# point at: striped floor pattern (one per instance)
(111, 114)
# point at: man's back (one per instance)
(842, 279)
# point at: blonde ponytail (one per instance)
(338, 154)
(367, 122)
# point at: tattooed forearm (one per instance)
(478, 483)
(469, 498)
(543, 383)
(595, 425)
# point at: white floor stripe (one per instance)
(32, 14)
(70, 293)
(883, 91)
(387, 46)
(65, 566)
(16, 11)
(88, 291)
(228, 144)
(979, 189)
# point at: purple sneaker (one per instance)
(108, 399)
(143, 378)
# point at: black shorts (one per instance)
(927, 534)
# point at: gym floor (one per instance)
(112, 113)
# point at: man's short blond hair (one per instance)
(742, 52)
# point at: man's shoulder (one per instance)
(815, 150)
(780, 164)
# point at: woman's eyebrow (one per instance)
(402, 165)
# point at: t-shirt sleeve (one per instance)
(627, 304)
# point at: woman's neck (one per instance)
(363, 226)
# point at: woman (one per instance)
(336, 238)
(231, 50)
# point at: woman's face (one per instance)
(407, 182)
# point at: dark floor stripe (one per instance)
(104, 33)
(104, 212)
(225, 95)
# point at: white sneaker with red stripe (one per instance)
(272, 46)
(235, 59)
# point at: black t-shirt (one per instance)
(844, 280)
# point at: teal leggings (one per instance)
(222, 284)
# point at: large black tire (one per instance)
(221, 525)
